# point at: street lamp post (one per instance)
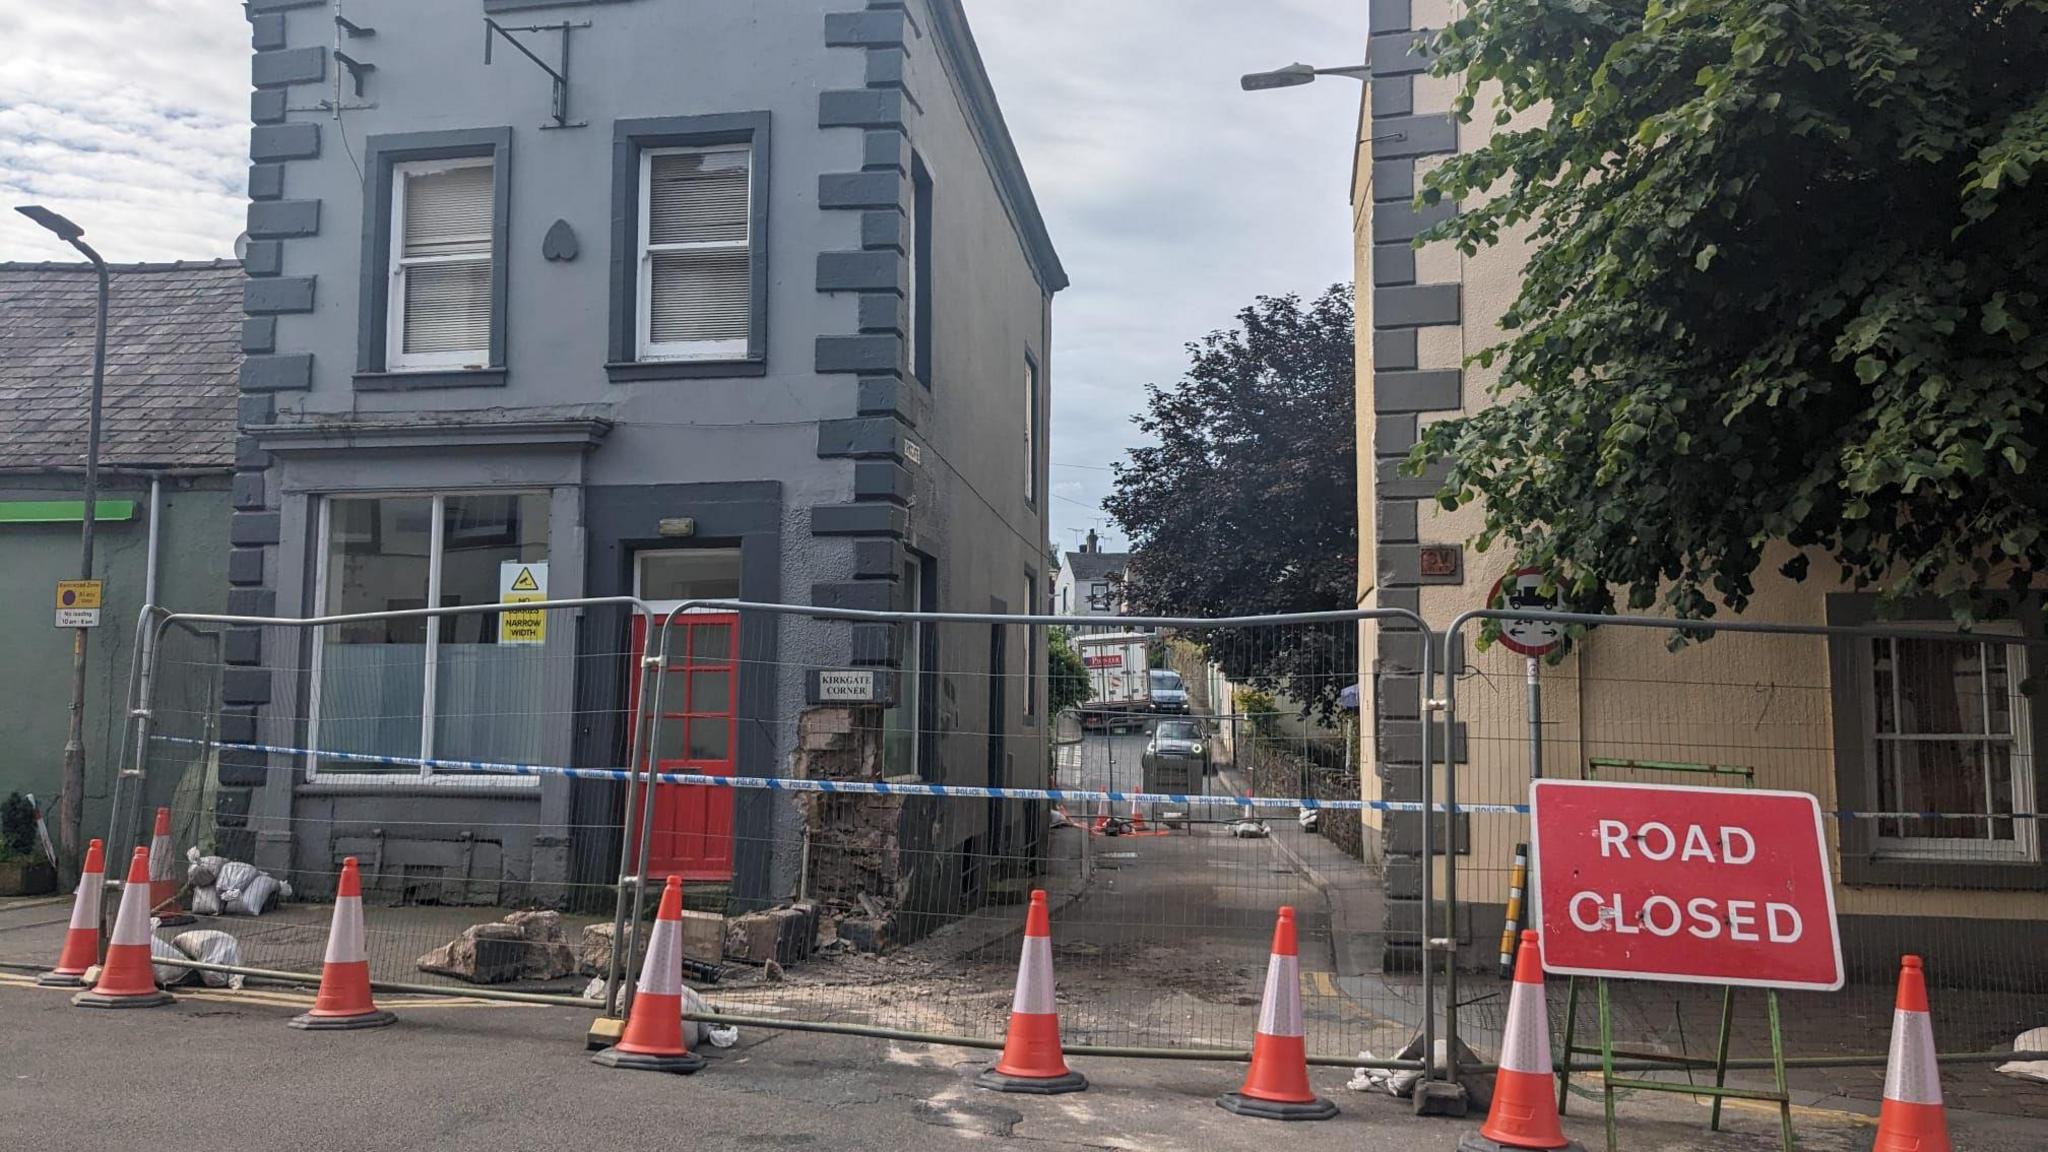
(1433, 1096)
(1295, 75)
(71, 795)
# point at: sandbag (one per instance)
(230, 878)
(202, 871)
(211, 946)
(168, 975)
(206, 901)
(255, 895)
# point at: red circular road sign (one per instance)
(70, 597)
(1528, 637)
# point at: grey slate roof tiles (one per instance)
(173, 355)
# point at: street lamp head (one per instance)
(64, 229)
(1292, 76)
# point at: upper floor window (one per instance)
(432, 311)
(918, 300)
(440, 299)
(1030, 431)
(696, 295)
(689, 247)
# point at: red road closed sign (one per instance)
(1699, 885)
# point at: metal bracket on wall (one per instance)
(357, 69)
(559, 103)
(330, 106)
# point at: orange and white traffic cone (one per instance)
(82, 939)
(1277, 1086)
(127, 980)
(1912, 1118)
(1524, 1111)
(163, 880)
(653, 1041)
(1032, 1060)
(344, 1001)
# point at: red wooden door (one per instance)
(697, 733)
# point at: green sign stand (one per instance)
(1719, 1090)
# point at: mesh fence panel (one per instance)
(480, 784)
(1919, 751)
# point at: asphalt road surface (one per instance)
(221, 1072)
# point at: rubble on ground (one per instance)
(786, 935)
(522, 946)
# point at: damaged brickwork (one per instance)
(856, 871)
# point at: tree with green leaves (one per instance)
(1246, 501)
(1789, 282)
(1067, 676)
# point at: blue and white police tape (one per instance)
(878, 788)
(847, 787)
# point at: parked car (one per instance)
(1169, 695)
(1177, 757)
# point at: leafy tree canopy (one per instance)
(1067, 675)
(1789, 282)
(1247, 502)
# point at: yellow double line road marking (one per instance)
(283, 999)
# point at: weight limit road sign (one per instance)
(1523, 589)
(1697, 885)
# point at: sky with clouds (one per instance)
(1174, 197)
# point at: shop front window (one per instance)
(389, 693)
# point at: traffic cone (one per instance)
(653, 1041)
(127, 980)
(344, 1000)
(1524, 1111)
(1277, 1088)
(1912, 1118)
(163, 881)
(82, 940)
(1032, 1061)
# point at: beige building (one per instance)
(1865, 725)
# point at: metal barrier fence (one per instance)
(1919, 744)
(859, 802)
(896, 811)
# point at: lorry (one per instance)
(1119, 679)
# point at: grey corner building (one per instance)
(838, 375)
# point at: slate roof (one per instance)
(173, 358)
(1088, 566)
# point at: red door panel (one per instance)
(698, 733)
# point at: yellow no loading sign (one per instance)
(78, 603)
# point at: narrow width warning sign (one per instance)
(1699, 885)
(522, 583)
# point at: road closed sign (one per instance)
(1697, 885)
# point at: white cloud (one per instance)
(132, 118)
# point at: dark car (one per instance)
(1177, 758)
(1169, 695)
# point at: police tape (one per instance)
(967, 791)
(846, 787)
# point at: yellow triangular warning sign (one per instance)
(525, 582)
